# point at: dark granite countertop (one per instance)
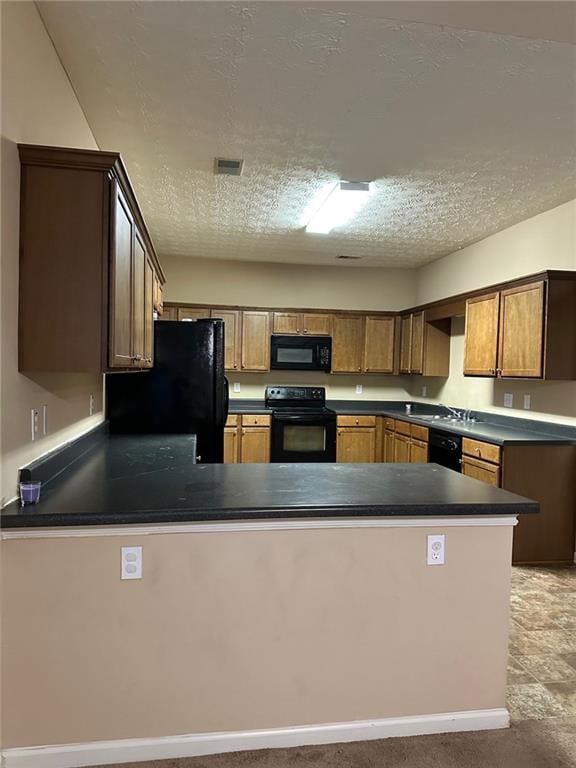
(492, 428)
(151, 479)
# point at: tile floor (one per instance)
(542, 666)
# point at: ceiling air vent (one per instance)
(223, 165)
(351, 258)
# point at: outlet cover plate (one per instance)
(436, 549)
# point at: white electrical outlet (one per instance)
(236, 386)
(424, 391)
(44, 419)
(359, 389)
(34, 418)
(436, 549)
(91, 405)
(131, 563)
(508, 399)
(527, 401)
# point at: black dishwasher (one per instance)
(445, 448)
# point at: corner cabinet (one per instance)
(84, 244)
(525, 331)
(424, 346)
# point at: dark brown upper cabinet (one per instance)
(88, 269)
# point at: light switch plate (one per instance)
(508, 400)
(236, 386)
(527, 401)
(359, 389)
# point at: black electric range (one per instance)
(303, 429)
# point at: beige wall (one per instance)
(253, 629)
(546, 241)
(250, 283)
(39, 107)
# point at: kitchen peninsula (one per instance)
(306, 586)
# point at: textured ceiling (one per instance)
(464, 133)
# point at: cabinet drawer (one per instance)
(480, 450)
(419, 433)
(233, 420)
(256, 420)
(402, 427)
(356, 421)
(389, 423)
(481, 470)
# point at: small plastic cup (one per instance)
(30, 493)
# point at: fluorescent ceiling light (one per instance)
(339, 207)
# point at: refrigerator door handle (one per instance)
(226, 399)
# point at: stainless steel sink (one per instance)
(443, 419)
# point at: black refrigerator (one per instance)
(185, 392)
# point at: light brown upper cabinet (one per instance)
(255, 341)
(379, 335)
(84, 245)
(193, 313)
(424, 346)
(148, 314)
(302, 323)
(347, 343)
(526, 331)
(481, 338)
(121, 265)
(232, 337)
(520, 338)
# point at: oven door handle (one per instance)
(301, 419)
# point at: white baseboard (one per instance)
(195, 745)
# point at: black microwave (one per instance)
(301, 353)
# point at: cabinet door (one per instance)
(418, 452)
(347, 337)
(389, 446)
(138, 300)
(405, 343)
(255, 341)
(379, 344)
(148, 313)
(122, 246)
(481, 335)
(231, 337)
(316, 324)
(417, 343)
(169, 313)
(356, 445)
(481, 470)
(255, 445)
(231, 445)
(521, 331)
(401, 449)
(286, 323)
(193, 313)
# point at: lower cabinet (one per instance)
(255, 445)
(481, 461)
(404, 442)
(418, 452)
(232, 440)
(247, 439)
(356, 439)
(401, 449)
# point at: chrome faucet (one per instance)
(454, 412)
